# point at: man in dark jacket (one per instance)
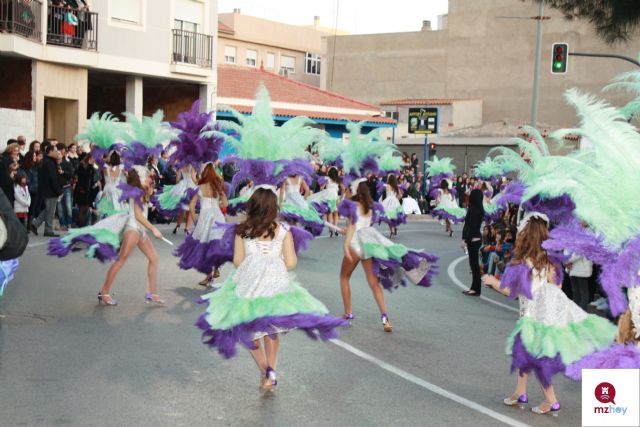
(65, 205)
(49, 189)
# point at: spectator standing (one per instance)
(22, 199)
(162, 162)
(472, 238)
(414, 163)
(67, 175)
(10, 155)
(83, 190)
(22, 143)
(49, 189)
(32, 163)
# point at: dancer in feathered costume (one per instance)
(261, 298)
(114, 238)
(552, 331)
(211, 243)
(7, 270)
(270, 154)
(204, 249)
(387, 265)
(390, 165)
(326, 201)
(105, 134)
(491, 172)
(446, 209)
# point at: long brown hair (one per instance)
(133, 179)
(211, 177)
(529, 244)
(262, 211)
(393, 183)
(363, 196)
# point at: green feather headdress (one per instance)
(440, 166)
(362, 152)
(258, 137)
(103, 131)
(629, 82)
(488, 168)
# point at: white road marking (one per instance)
(429, 386)
(452, 275)
(35, 245)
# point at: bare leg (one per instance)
(549, 397)
(129, 241)
(149, 251)
(271, 346)
(374, 284)
(521, 387)
(259, 356)
(345, 275)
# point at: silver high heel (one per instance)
(553, 410)
(520, 402)
(154, 299)
(102, 300)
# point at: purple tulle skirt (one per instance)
(544, 368)
(103, 252)
(618, 356)
(205, 256)
(389, 271)
(225, 341)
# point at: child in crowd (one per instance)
(22, 198)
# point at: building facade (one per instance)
(289, 50)
(58, 64)
(479, 54)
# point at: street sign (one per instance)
(423, 121)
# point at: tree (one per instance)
(613, 20)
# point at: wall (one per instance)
(241, 46)
(16, 122)
(62, 82)
(477, 56)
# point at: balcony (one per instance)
(21, 17)
(192, 48)
(77, 28)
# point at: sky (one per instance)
(353, 16)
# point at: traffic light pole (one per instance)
(424, 164)
(536, 69)
(606, 55)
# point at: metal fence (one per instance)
(21, 17)
(192, 48)
(73, 28)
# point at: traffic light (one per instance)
(432, 149)
(560, 58)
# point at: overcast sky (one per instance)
(354, 16)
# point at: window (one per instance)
(129, 11)
(185, 25)
(251, 57)
(288, 63)
(271, 60)
(312, 63)
(230, 54)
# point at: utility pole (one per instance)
(536, 66)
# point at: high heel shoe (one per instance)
(268, 380)
(520, 402)
(450, 233)
(154, 299)
(386, 324)
(271, 374)
(204, 282)
(554, 409)
(216, 273)
(109, 301)
(175, 230)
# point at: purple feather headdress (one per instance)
(193, 146)
(269, 172)
(138, 154)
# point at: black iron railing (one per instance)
(21, 17)
(192, 48)
(72, 27)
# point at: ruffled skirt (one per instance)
(110, 203)
(175, 198)
(617, 356)
(454, 214)
(394, 263)
(393, 213)
(325, 201)
(230, 320)
(555, 334)
(101, 240)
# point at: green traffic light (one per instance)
(557, 65)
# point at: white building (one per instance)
(57, 65)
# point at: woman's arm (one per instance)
(306, 189)
(192, 211)
(145, 222)
(224, 202)
(495, 284)
(289, 252)
(238, 251)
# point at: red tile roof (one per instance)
(242, 82)
(224, 28)
(315, 114)
(425, 101)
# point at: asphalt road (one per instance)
(66, 361)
